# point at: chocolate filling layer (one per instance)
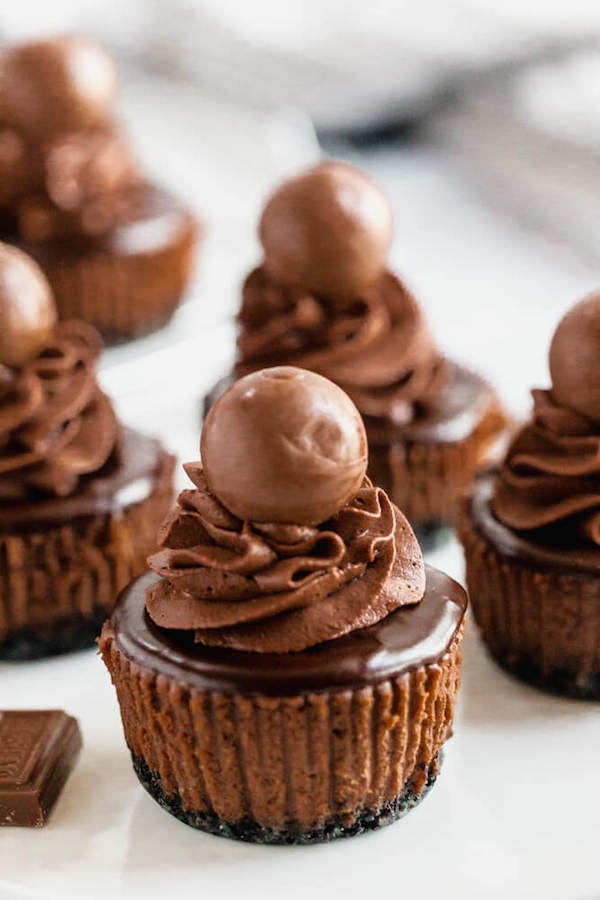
(409, 637)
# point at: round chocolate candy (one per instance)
(575, 358)
(284, 445)
(328, 231)
(62, 85)
(27, 310)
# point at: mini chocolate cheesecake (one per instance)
(531, 531)
(80, 496)
(116, 249)
(322, 299)
(287, 672)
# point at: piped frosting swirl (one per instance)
(277, 588)
(550, 478)
(56, 425)
(377, 347)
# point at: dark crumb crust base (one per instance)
(250, 831)
(64, 636)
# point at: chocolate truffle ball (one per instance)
(27, 310)
(284, 445)
(56, 86)
(328, 231)
(575, 358)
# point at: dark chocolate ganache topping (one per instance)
(56, 425)
(377, 347)
(412, 635)
(277, 588)
(551, 475)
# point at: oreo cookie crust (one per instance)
(251, 832)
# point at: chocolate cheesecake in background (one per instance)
(81, 497)
(287, 670)
(531, 531)
(323, 299)
(116, 248)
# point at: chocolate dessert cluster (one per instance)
(69, 538)
(323, 299)
(285, 660)
(64, 165)
(56, 425)
(288, 607)
(549, 478)
(532, 532)
(70, 191)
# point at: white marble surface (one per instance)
(515, 811)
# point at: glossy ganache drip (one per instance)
(281, 588)
(377, 347)
(551, 475)
(56, 425)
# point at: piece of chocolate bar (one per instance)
(38, 749)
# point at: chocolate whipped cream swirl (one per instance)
(551, 475)
(274, 588)
(56, 425)
(378, 347)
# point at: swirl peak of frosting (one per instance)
(279, 588)
(56, 425)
